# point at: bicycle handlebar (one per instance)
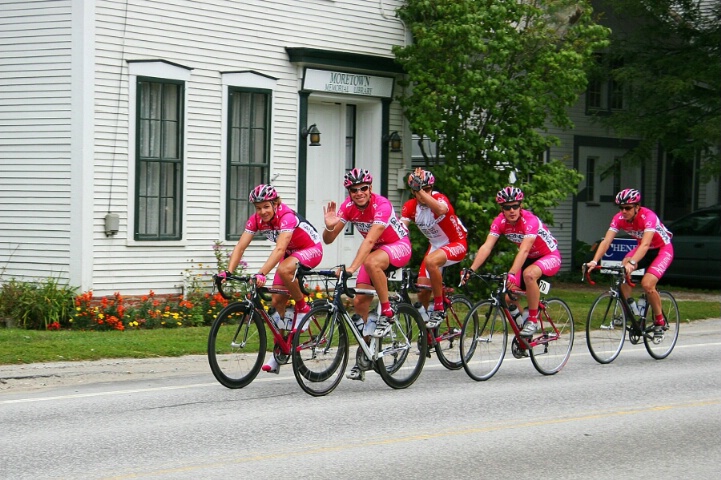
(300, 272)
(615, 270)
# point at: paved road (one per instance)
(169, 419)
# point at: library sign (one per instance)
(347, 83)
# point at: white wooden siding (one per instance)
(209, 37)
(35, 139)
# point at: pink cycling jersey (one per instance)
(378, 211)
(285, 220)
(440, 230)
(644, 221)
(528, 225)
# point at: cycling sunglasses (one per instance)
(364, 188)
(515, 206)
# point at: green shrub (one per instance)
(37, 305)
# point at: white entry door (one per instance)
(325, 170)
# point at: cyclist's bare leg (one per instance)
(286, 270)
(648, 283)
(626, 290)
(280, 301)
(375, 264)
(531, 275)
(434, 265)
(424, 296)
(362, 303)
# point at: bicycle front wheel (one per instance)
(484, 339)
(236, 345)
(556, 340)
(402, 352)
(660, 346)
(448, 333)
(606, 328)
(320, 351)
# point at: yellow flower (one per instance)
(180, 324)
(101, 316)
(78, 308)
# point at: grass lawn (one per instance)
(30, 346)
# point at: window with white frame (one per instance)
(159, 159)
(248, 153)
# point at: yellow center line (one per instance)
(325, 449)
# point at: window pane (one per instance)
(248, 155)
(159, 171)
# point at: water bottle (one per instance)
(632, 304)
(516, 314)
(279, 322)
(642, 305)
(371, 323)
(358, 321)
(288, 318)
(422, 310)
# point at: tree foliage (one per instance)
(485, 80)
(666, 53)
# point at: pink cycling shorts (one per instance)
(308, 257)
(549, 264)
(399, 254)
(455, 252)
(656, 261)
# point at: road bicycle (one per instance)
(484, 337)
(445, 339)
(611, 317)
(321, 343)
(237, 341)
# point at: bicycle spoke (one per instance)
(660, 346)
(236, 345)
(555, 340)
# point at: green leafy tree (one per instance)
(666, 54)
(485, 80)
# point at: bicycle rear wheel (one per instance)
(484, 339)
(605, 328)
(556, 339)
(659, 347)
(448, 333)
(236, 345)
(403, 350)
(320, 351)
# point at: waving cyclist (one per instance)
(537, 255)
(296, 241)
(435, 217)
(653, 250)
(385, 244)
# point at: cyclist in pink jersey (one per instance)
(653, 250)
(435, 217)
(537, 255)
(386, 244)
(296, 241)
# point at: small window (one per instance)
(248, 153)
(604, 94)
(159, 153)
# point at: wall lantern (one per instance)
(314, 135)
(394, 141)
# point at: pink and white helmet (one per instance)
(509, 194)
(263, 193)
(628, 195)
(356, 176)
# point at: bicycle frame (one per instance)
(404, 296)
(636, 328)
(498, 297)
(254, 300)
(372, 349)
